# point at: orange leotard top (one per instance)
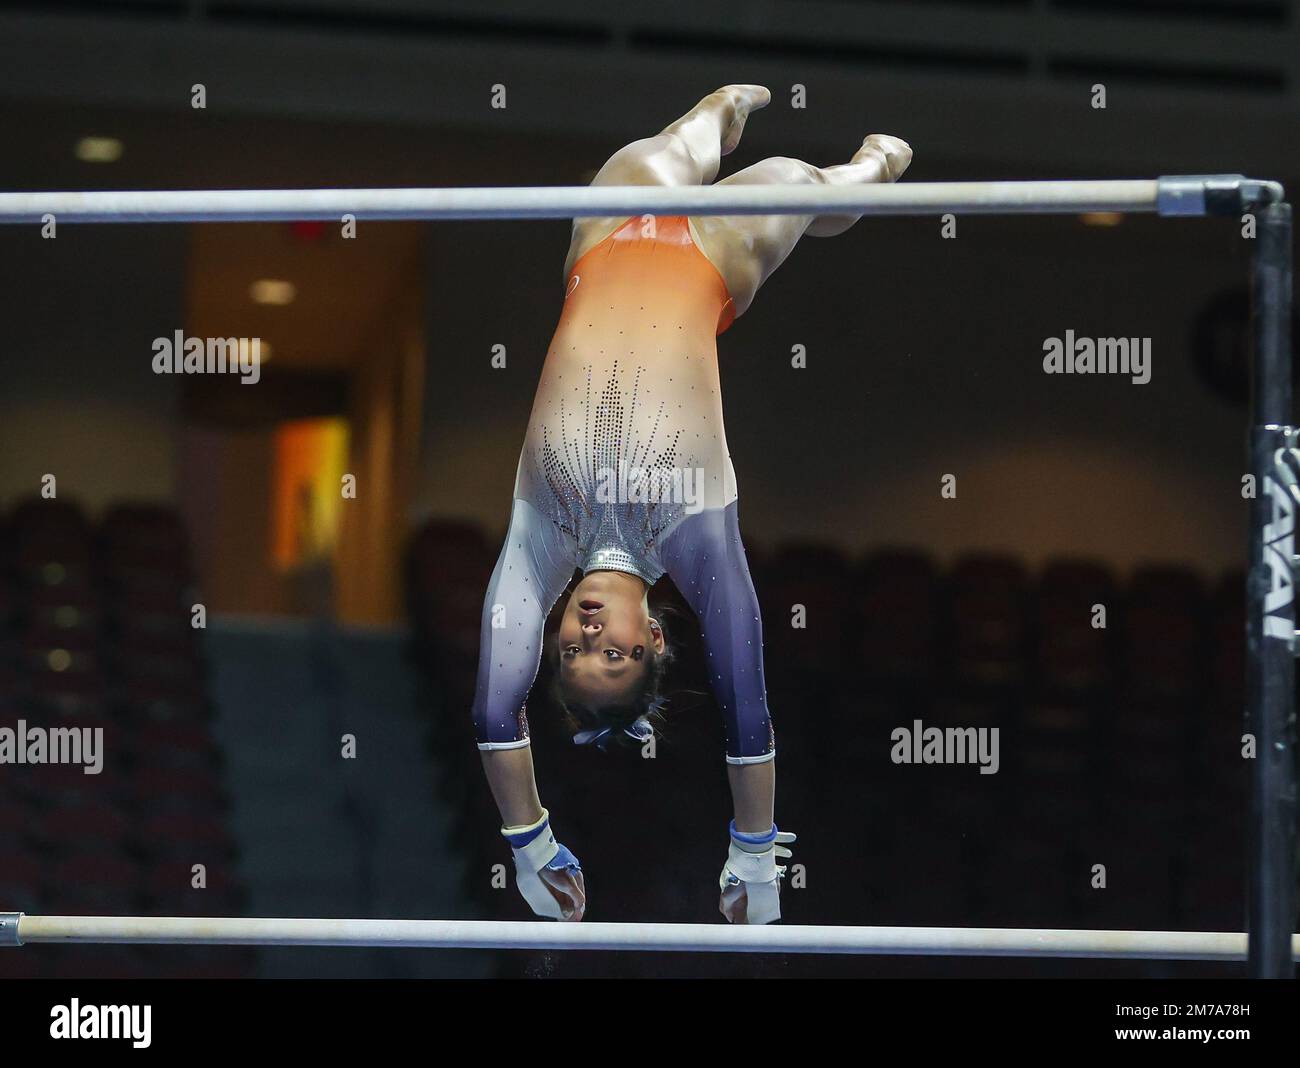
(653, 261)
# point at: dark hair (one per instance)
(646, 700)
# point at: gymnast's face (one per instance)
(606, 639)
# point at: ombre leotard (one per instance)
(625, 468)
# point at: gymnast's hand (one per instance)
(566, 887)
(751, 878)
(549, 877)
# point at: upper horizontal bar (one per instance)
(688, 937)
(1191, 195)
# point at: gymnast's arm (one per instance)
(536, 562)
(514, 787)
(534, 566)
(706, 560)
(753, 795)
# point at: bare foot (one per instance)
(745, 98)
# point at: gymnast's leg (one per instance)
(689, 150)
(753, 246)
(686, 152)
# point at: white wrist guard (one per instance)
(539, 847)
(536, 850)
(752, 860)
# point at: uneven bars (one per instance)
(17, 928)
(1182, 195)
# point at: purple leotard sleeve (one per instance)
(706, 560)
(535, 565)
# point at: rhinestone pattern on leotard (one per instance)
(611, 454)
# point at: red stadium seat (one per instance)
(182, 836)
(1165, 636)
(1074, 655)
(987, 621)
(894, 628)
(818, 577)
(99, 884)
(84, 828)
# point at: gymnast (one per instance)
(625, 475)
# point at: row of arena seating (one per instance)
(1119, 746)
(95, 632)
(986, 623)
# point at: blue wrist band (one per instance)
(518, 841)
(752, 839)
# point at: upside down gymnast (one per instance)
(625, 475)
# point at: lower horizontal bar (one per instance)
(563, 202)
(681, 937)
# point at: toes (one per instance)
(748, 97)
(744, 99)
(894, 153)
